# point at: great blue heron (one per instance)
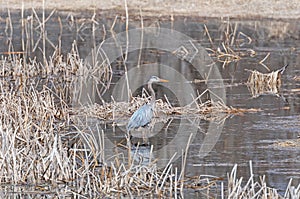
(142, 117)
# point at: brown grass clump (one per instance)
(256, 189)
(231, 39)
(269, 83)
(293, 143)
(112, 111)
(32, 152)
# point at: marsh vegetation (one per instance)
(46, 148)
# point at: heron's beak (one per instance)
(163, 80)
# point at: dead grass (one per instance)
(293, 143)
(256, 189)
(231, 40)
(269, 83)
(116, 111)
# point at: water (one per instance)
(215, 145)
(241, 138)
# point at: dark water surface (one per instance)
(215, 145)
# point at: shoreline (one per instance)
(253, 9)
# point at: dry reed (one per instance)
(231, 40)
(256, 189)
(269, 83)
(116, 111)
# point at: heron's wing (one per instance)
(141, 117)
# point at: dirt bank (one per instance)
(201, 8)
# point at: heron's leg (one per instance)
(128, 140)
(145, 134)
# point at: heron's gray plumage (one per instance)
(143, 116)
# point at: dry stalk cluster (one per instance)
(256, 189)
(231, 39)
(268, 83)
(15, 67)
(31, 149)
(114, 111)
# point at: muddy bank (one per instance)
(217, 8)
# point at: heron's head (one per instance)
(155, 79)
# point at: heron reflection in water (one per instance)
(143, 116)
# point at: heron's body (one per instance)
(143, 116)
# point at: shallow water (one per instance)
(250, 136)
(215, 145)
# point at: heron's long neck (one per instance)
(152, 102)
